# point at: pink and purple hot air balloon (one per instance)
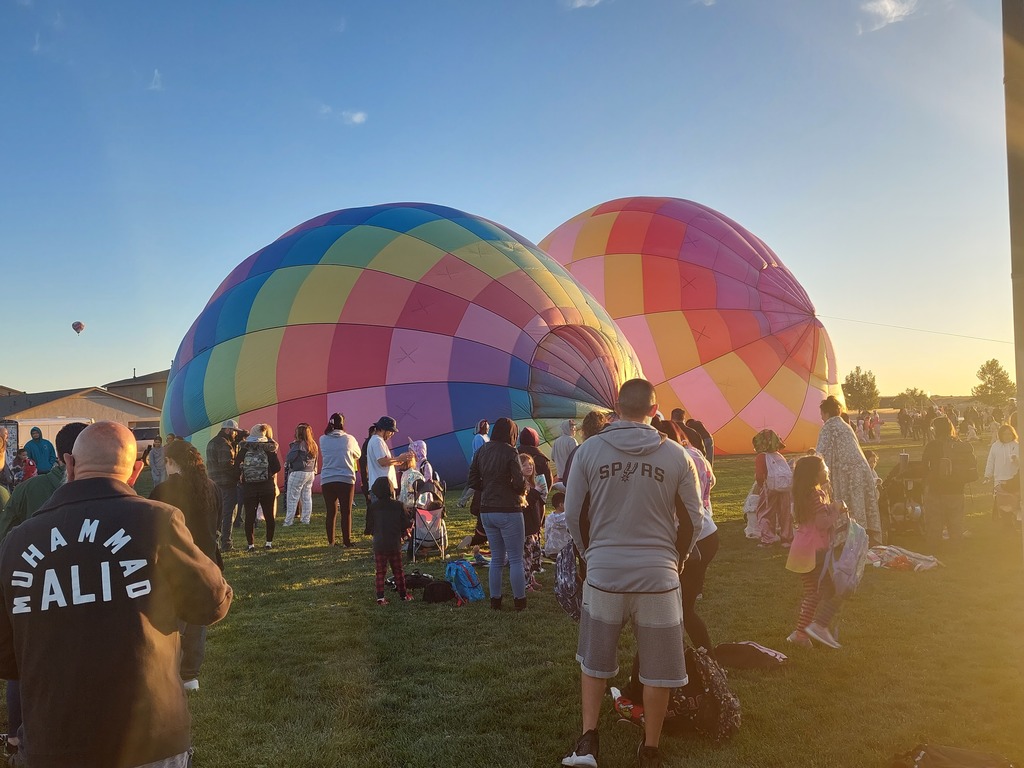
(721, 327)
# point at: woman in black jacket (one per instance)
(189, 489)
(497, 478)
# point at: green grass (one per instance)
(307, 670)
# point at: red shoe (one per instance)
(408, 597)
(382, 601)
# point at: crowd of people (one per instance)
(132, 582)
(634, 488)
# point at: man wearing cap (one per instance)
(40, 451)
(379, 461)
(220, 467)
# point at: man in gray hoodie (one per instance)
(633, 508)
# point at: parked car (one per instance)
(144, 438)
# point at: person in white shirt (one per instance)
(379, 461)
(1002, 465)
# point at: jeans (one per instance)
(506, 531)
(300, 486)
(193, 649)
(229, 503)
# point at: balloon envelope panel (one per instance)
(430, 315)
(721, 326)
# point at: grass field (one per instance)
(307, 670)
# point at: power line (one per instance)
(917, 330)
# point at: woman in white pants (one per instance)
(301, 462)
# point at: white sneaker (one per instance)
(190, 685)
(251, 548)
(269, 545)
(822, 635)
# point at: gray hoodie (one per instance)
(633, 508)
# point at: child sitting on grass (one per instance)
(388, 522)
(817, 518)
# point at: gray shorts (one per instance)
(657, 620)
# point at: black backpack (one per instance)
(439, 591)
(414, 580)
(705, 705)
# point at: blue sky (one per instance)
(147, 148)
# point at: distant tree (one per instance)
(996, 386)
(912, 397)
(860, 390)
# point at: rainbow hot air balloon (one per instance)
(721, 327)
(78, 326)
(432, 316)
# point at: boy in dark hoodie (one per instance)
(388, 522)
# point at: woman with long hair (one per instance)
(341, 454)
(188, 488)
(497, 477)
(301, 463)
(533, 523)
(691, 581)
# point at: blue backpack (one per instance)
(464, 581)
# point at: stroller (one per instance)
(428, 526)
(901, 501)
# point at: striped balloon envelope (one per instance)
(432, 316)
(721, 327)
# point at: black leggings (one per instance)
(691, 582)
(335, 495)
(268, 501)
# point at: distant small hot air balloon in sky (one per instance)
(78, 326)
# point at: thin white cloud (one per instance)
(886, 12)
(58, 21)
(574, 4)
(37, 46)
(25, 3)
(157, 83)
(354, 118)
(705, 3)
(325, 109)
(341, 25)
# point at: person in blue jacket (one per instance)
(40, 451)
